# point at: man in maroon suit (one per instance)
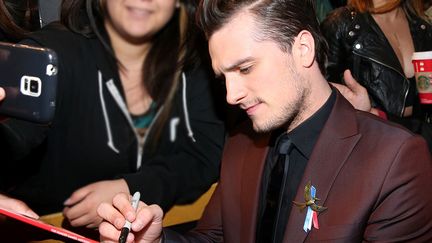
(317, 170)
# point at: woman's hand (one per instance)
(2, 94)
(355, 93)
(16, 206)
(80, 207)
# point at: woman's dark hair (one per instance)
(278, 20)
(18, 17)
(173, 49)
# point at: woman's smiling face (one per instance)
(139, 19)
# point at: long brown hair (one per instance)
(173, 48)
(414, 6)
(17, 18)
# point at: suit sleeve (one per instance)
(209, 228)
(403, 210)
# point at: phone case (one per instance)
(29, 76)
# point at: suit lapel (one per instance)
(252, 168)
(332, 149)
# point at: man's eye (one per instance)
(245, 70)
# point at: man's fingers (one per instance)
(108, 232)
(152, 214)
(111, 214)
(122, 202)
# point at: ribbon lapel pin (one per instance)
(312, 207)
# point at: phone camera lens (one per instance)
(34, 86)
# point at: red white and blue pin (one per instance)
(312, 208)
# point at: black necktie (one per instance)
(276, 186)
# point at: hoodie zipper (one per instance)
(122, 105)
(120, 102)
(397, 71)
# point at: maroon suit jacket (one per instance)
(374, 177)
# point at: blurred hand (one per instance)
(81, 207)
(16, 206)
(146, 221)
(355, 93)
(2, 94)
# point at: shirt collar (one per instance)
(306, 134)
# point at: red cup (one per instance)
(422, 62)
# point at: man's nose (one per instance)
(235, 91)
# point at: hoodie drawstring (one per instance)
(185, 109)
(119, 101)
(105, 114)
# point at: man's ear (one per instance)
(304, 49)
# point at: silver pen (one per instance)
(127, 226)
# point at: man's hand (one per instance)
(16, 206)
(356, 94)
(80, 208)
(146, 221)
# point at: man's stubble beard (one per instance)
(290, 115)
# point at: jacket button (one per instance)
(423, 26)
(351, 33)
(357, 27)
(358, 46)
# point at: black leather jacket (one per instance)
(357, 43)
